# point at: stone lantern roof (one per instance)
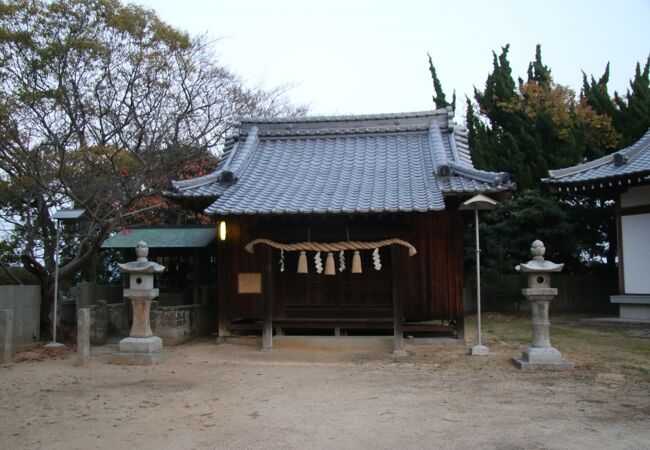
(538, 263)
(141, 264)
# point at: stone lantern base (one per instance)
(534, 358)
(139, 351)
(141, 348)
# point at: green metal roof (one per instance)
(167, 237)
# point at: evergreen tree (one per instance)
(635, 109)
(595, 95)
(508, 143)
(439, 98)
(527, 128)
(537, 71)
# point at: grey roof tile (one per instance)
(342, 164)
(628, 162)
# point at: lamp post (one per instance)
(476, 203)
(62, 214)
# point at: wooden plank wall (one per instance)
(433, 277)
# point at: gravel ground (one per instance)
(206, 395)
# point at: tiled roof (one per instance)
(632, 162)
(342, 164)
(162, 237)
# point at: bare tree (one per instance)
(94, 95)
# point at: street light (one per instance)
(62, 214)
(475, 203)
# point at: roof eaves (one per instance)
(230, 149)
(579, 168)
(628, 153)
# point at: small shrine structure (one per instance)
(623, 176)
(341, 224)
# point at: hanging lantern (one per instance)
(329, 264)
(356, 262)
(302, 262)
(222, 230)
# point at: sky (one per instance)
(358, 56)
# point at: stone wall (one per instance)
(25, 300)
(87, 294)
(178, 324)
(98, 323)
(118, 318)
(173, 324)
(110, 314)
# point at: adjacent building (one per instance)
(625, 177)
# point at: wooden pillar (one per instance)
(267, 294)
(224, 264)
(460, 329)
(397, 263)
(196, 299)
(619, 244)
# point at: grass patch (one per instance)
(601, 347)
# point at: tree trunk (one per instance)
(47, 302)
(91, 267)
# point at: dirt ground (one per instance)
(208, 395)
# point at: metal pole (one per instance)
(56, 279)
(478, 277)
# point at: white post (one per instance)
(83, 336)
(56, 286)
(6, 335)
(478, 276)
(479, 349)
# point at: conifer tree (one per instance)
(635, 108)
(537, 71)
(527, 128)
(439, 98)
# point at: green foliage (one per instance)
(635, 108)
(529, 127)
(537, 71)
(509, 230)
(533, 127)
(439, 98)
(630, 115)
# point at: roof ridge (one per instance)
(437, 147)
(195, 182)
(343, 131)
(486, 176)
(635, 149)
(248, 150)
(347, 117)
(561, 173)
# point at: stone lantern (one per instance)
(141, 347)
(540, 293)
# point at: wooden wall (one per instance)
(433, 277)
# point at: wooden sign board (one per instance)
(249, 283)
